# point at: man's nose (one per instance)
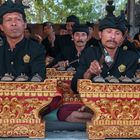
(14, 23)
(113, 35)
(79, 37)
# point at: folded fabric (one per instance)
(65, 110)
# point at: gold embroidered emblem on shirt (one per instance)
(26, 58)
(122, 68)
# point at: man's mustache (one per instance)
(112, 41)
(80, 41)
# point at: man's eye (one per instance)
(118, 33)
(8, 20)
(108, 30)
(19, 19)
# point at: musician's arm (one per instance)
(58, 58)
(87, 74)
(79, 73)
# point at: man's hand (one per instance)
(82, 115)
(94, 69)
(62, 64)
(85, 109)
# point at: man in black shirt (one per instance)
(21, 59)
(74, 112)
(69, 56)
(109, 57)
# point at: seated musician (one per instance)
(69, 56)
(80, 37)
(21, 59)
(137, 39)
(79, 114)
(62, 42)
(109, 58)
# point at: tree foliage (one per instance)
(57, 10)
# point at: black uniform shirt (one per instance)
(51, 51)
(125, 63)
(28, 57)
(68, 53)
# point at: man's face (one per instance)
(48, 29)
(13, 25)
(27, 33)
(63, 32)
(80, 39)
(111, 38)
(90, 31)
(51, 37)
(69, 26)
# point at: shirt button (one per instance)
(12, 63)
(108, 73)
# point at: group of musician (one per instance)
(24, 59)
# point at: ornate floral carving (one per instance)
(20, 104)
(23, 130)
(68, 95)
(102, 132)
(60, 75)
(108, 89)
(27, 86)
(64, 82)
(116, 108)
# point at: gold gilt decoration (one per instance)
(67, 93)
(125, 48)
(63, 83)
(26, 58)
(52, 73)
(20, 104)
(122, 68)
(116, 109)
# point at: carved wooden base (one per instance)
(116, 109)
(31, 130)
(20, 104)
(107, 131)
(52, 73)
(64, 84)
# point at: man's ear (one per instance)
(25, 25)
(99, 34)
(72, 38)
(1, 27)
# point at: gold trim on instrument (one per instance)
(20, 104)
(64, 78)
(116, 109)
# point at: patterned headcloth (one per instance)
(111, 21)
(9, 6)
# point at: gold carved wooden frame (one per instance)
(20, 103)
(116, 109)
(63, 83)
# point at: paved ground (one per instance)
(64, 135)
